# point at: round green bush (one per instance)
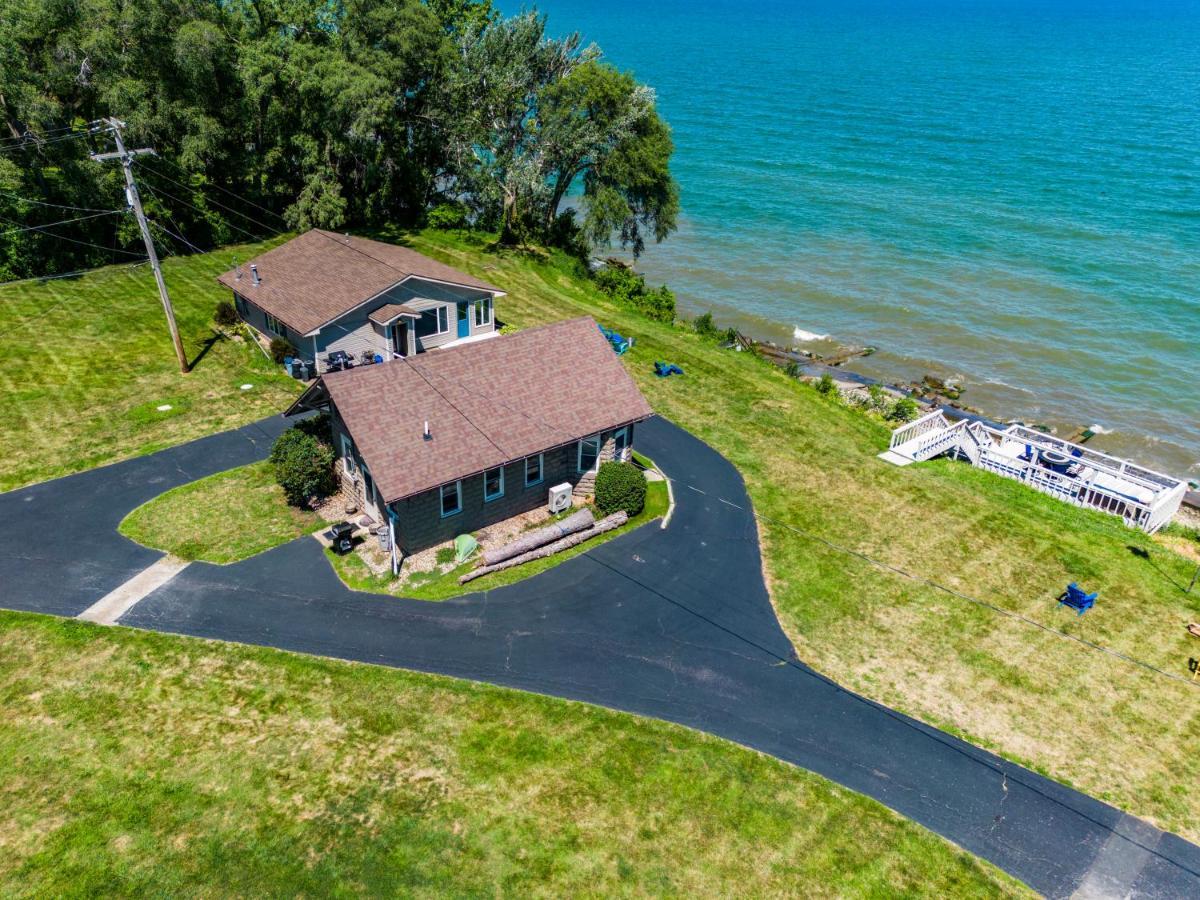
(620, 485)
(303, 467)
(225, 316)
(281, 348)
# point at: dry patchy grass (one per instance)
(1086, 718)
(137, 763)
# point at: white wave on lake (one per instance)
(800, 334)
(1099, 429)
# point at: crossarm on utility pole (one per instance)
(126, 158)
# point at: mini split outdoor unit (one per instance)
(560, 497)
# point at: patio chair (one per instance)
(1077, 599)
(663, 370)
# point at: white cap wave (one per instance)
(799, 334)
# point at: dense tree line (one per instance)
(298, 113)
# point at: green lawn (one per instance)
(355, 573)
(88, 361)
(221, 518)
(1081, 716)
(134, 763)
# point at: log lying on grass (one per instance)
(608, 523)
(534, 539)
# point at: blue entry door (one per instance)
(464, 320)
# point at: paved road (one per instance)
(673, 623)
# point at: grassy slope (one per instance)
(1081, 716)
(244, 771)
(354, 572)
(223, 518)
(88, 360)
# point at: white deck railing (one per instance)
(932, 435)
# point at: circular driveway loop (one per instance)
(674, 624)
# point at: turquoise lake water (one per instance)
(1006, 193)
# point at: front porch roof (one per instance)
(390, 312)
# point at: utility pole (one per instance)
(126, 158)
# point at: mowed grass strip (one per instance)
(88, 361)
(136, 763)
(222, 518)
(1083, 717)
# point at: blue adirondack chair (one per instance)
(1077, 599)
(662, 369)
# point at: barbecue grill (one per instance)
(342, 540)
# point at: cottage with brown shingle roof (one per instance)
(335, 297)
(450, 442)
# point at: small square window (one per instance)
(493, 483)
(451, 498)
(533, 470)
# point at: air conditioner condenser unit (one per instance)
(560, 497)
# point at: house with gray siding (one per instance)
(324, 292)
(441, 444)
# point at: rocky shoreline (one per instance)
(930, 393)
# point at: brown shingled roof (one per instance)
(487, 404)
(317, 277)
(390, 311)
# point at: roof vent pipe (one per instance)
(254, 275)
(428, 436)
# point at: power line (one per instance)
(927, 582)
(110, 212)
(38, 144)
(166, 193)
(126, 158)
(20, 324)
(177, 237)
(236, 196)
(52, 205)
(187, 187)
(63, 237)
(75, 274)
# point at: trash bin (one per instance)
(384, 536)
(300, 370)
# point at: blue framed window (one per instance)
(451, 498)
(534, 470)
(493, 483)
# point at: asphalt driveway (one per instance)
(673, 623)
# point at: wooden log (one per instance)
(575, 522)
(608, 523)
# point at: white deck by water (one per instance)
(1074, 474)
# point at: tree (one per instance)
(631, 191)
(491, 116)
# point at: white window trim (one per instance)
(441, 311)
(541, 458)
(488, 498)
(274, 326)
(624, 451)
(579, 453)
(347, 454)
(442, 503)
(484, 304)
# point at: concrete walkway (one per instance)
(672, 623)
(122, 599)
